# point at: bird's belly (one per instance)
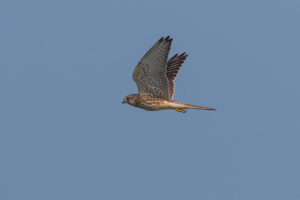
(158, 105)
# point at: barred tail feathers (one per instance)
(180, 105)
(197, 107)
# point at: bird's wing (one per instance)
(150, 73)
(173, 66)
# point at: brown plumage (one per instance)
(155, 78)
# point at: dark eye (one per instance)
(127, 99)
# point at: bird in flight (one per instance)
(155, 76)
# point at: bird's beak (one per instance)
(124, 101)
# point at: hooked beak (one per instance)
(124, 101)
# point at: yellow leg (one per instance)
(180, 110)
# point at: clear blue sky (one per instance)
(66, 65)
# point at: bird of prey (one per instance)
(155, 76)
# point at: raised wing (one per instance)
(173, 66)
(150, 73)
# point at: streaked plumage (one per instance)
(155, 77)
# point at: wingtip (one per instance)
(166, 39)
(169, 39)
(184, 54)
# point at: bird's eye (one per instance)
(127, 99)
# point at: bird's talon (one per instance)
(180, 110)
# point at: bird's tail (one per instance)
(180, 107)
(197, 107)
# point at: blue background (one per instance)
(66, 65)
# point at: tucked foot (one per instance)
(180, 110)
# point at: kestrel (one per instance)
(155, 77)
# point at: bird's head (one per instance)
(131, 99)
